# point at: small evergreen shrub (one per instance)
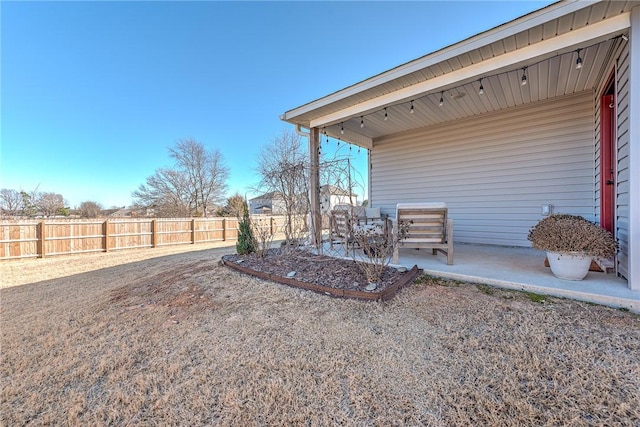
(246, 241)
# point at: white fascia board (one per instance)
(545, 47)
(521, 24)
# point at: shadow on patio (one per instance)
(521, 269)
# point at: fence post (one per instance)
(41, 239)
(193, 231)
(154, 235)
(271, 225)
(105, 233)
(224, 229)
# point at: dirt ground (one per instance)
(169, 337)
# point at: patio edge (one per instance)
(610, 301)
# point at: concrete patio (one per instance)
(522, 269)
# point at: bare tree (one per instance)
(11, 202)
(283, 168)
(50, 204)
(167, 192)
(196, 182)
(89, 209)
(206, 173)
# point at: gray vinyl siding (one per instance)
(623, 174)
(494, 171)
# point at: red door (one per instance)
(607, 162)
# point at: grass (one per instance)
(540, 299)
(180, 340)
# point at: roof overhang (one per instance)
(544, 43)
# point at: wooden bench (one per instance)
(427, 227)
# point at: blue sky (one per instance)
(93, 93)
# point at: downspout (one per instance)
(300, 132)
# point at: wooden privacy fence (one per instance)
(30, 239)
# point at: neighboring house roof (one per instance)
(333, 190)
(543, 45)
(273, 195)
(122, 212)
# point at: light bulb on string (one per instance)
(361, 122)
(441, 103)
(411, 110)
(578, 61)
(341, 128)
(386, 116)
(523, 81)
(481, 90)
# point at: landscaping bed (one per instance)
(320, 273)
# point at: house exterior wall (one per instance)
(494, 171)
(633, 253)
(623, 215)
(620, 65)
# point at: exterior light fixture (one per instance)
(481, 89)
(523, 80)
(411, 110)
(341, 129)
(386, 116)
(361, 122)
(441, 103)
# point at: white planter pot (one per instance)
(571, 266)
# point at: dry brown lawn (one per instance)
(168, 337)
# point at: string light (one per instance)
(481, 91)
(578, 61)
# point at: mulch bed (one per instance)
(320, 273)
